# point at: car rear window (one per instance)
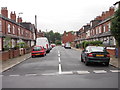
(37, 48)
(96, 49)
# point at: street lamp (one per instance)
(19, 24)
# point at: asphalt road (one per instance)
(61, 68)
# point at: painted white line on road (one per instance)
(58, 55)
(115, 70)
(14, 75)
(60, 69)
(67, 72)
(83, 72)
(30, 74)
(99, 71)
(59, 59)
(50, 74)
(1, 75)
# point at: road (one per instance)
(61, 68)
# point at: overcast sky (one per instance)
(58, 15)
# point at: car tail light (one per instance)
(90, 55)
(108, 55)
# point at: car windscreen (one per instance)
(37, 48)
(97, 49)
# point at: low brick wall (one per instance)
(11, 54)
(111, 51)
(16, 53)
(5, 55)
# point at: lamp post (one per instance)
(19, 24)
(19, 31)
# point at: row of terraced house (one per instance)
(99, 30)
(96, 30)
(14, 32)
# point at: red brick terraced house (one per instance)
(12, 32)
(68, 37)
(98, 29)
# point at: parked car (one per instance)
(96, 54)
(67, 46)
(38, 51)
(53, 45)
(43, 41)
(63, 45)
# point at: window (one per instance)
(100, 30)
(19, 31)
(104, 29)
(0, 25)
(109, 25)
(8, 28)
(22, 31)
(97, 30)
(13, 29)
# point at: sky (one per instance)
(58, 15)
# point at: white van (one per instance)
(43, 41)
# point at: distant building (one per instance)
(68, 37)
(98, 29)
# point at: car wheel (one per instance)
(81, 59)
(32, 56)
(86, 63)
(107, 64)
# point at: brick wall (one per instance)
(111, 51)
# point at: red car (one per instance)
(38, 51)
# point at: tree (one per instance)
(52, 37)
(115, 27)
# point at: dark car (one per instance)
(38, 51)
(96, 54)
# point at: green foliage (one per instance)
(53, 37)
(78, 45)
(115, 26)
(58, 42)
(87, 43)
(7, 43)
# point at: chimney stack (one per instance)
(13, 16)
(19, 19)
(4, 12)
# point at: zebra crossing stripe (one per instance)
(115, 70)
(14, 75)
(69, 72)
(99, 71)
(83, 72)
(30, 74)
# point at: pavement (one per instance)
(5, 65)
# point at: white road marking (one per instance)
(1, 75)
(59, 59)
(68, 72)
(58, 55)
(83, 72)
(115, 70)
(30, 74)
(99, 71)
(50, 74)
(60, 69)
(58, 52)
(14, 75)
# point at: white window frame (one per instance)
(109, 26)
(19, 31)
(104, 28)
(0, 25)
(9, 28)
(100, 30)
(13, 29)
